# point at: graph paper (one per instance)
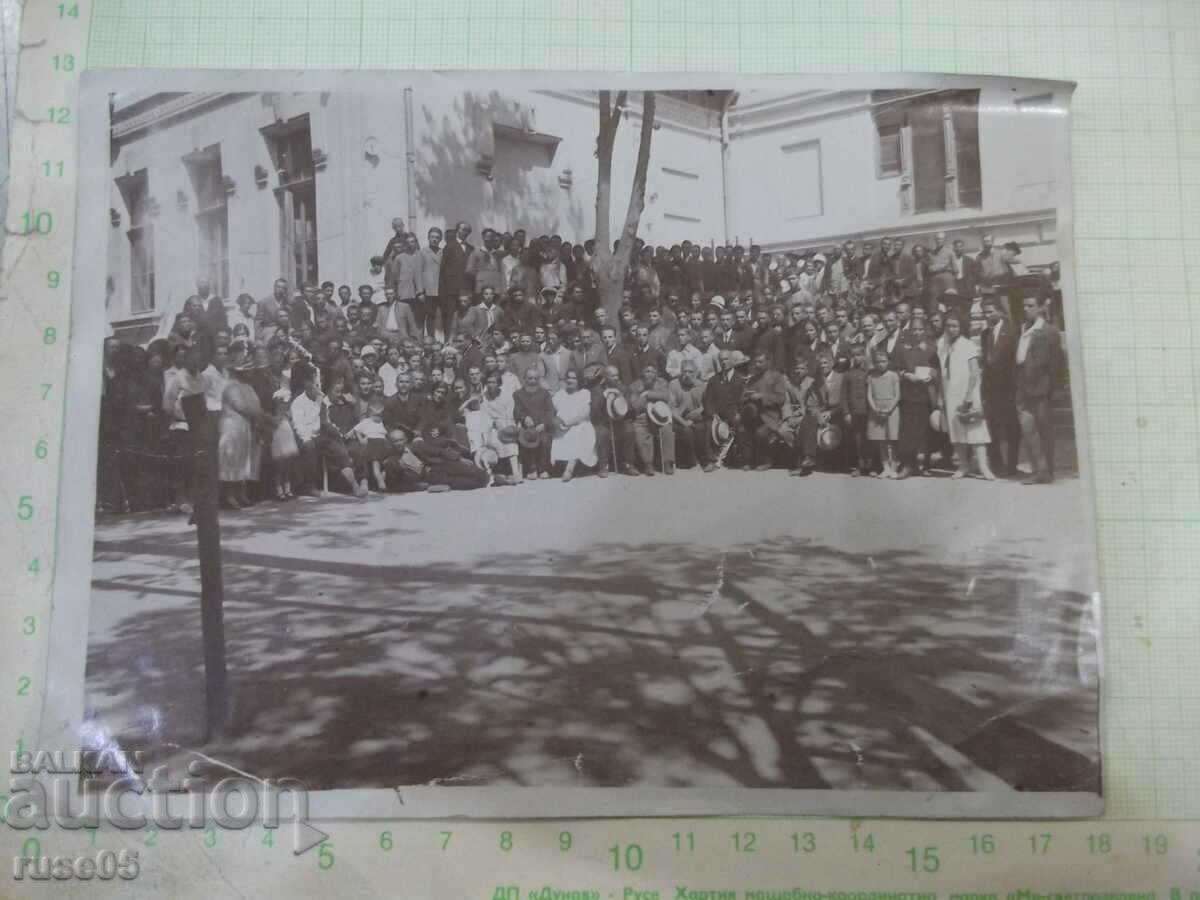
(1136, 170)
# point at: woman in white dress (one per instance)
(962, 407)
(574, 438)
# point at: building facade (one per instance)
(815, 168)
(245, 188)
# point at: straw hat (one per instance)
(618, 406)
(659, 412)
(720, 431)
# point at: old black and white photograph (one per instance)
(682, 435)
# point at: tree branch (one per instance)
(637, 195)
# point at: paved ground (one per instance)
(702, 630)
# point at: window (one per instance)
(526, 190)
(680, 196)
(889, 151)
(291, 149)
(212, 216)
(805, 196)
(931, 141)
(135, 190)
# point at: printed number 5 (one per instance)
(25, 508)
(325, 857)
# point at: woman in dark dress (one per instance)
(916, 363)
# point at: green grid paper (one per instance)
(1136, 147)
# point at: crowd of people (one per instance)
(458, 366)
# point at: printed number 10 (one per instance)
(37, 223)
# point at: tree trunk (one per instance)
(611, 267)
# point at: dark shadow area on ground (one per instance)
(783, 664)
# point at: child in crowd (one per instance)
(371, 432)
(284, 448)
(883, 397)
(857, 413)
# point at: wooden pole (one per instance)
(202, 426)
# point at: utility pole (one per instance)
(202, 425)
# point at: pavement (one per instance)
(735, 628)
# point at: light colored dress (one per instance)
(283, 441)
(239, 449)
(884, 389)
(498, 413)
(579, 440)
(956, 377)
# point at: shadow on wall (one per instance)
(801, 666)
(487, 133)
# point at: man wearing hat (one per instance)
(649, 400)
(614, 430)
(723, 396)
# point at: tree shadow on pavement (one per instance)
(787, 663)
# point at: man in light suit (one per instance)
(395, 320)
(557, 360)
(1039, 365)
(481, 318)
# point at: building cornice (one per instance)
(929, 224)
(160, 113)
(665, 110)
(800, 109)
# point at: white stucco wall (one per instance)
(772, 186)
(358, 194)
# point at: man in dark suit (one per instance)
(520, 315)
(999, 345)
(453, 275)
(1039, 365)
(405, 408)
(723, 398)
(646, 354)
(964, 270)
(214, 318)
